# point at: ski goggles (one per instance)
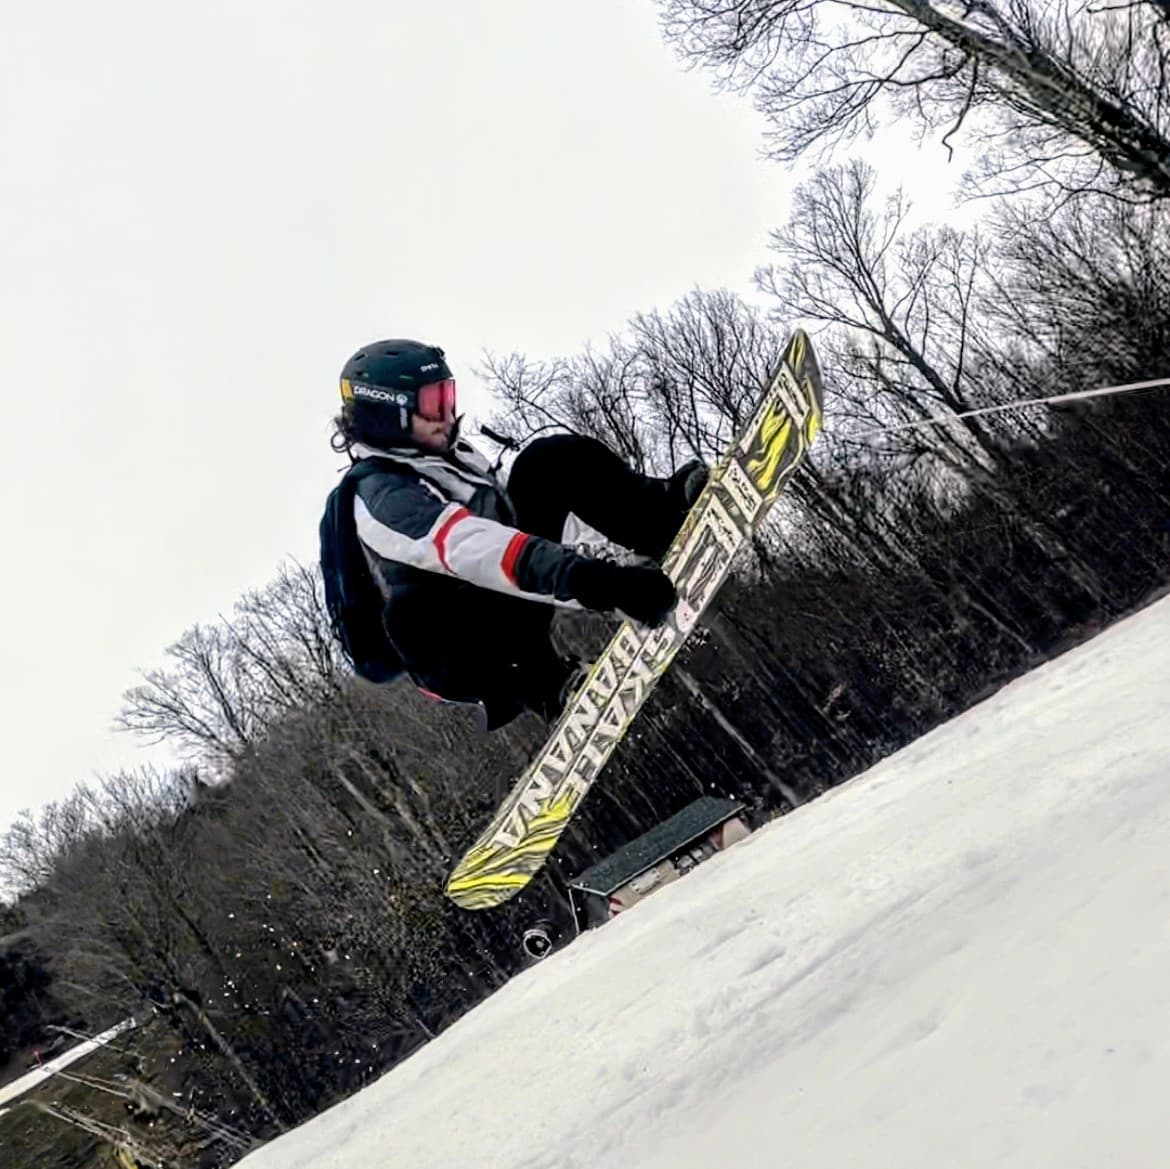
(436, 400)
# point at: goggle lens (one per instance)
(436, 400)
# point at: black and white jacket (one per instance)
(448, 515)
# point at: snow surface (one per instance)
(960, 958)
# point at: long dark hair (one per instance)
(352, 426)
(344, 435)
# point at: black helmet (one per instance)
(380, 384)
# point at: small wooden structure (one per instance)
(655, 859)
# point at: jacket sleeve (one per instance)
(406, 521)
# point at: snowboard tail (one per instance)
(742, 487)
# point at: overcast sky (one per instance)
(205, 208)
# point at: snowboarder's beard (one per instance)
(435, 437)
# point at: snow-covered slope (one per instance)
(960, 959)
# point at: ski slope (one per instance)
(960, 959)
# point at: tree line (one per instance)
(277, 899)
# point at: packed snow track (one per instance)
(960, 958)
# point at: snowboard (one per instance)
(742, 487)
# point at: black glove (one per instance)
(645, 594)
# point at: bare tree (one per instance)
(909, 343)
(675, 385)
(230, 681)
(902, 306)
(596, 393)
(125, 916)
(1057, 92)
(1088, 287)
(705, 360)
(201, 702)
(1085, 297)
(33, 846)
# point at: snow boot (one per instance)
(682, 489)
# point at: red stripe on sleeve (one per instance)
(441, 535)
(512, 554)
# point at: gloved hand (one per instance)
(644, 593)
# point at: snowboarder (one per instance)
(470, 572)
